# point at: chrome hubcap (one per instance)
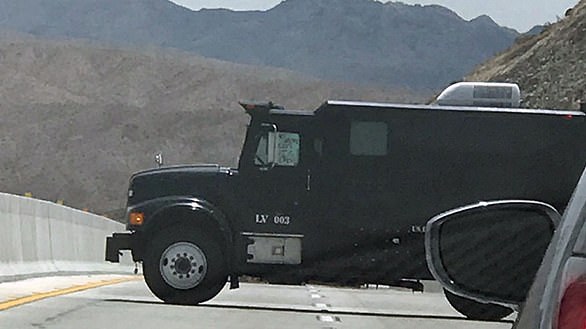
(183, 265)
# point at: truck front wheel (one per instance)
(184, 266)
(474, 310)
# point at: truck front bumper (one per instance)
(118, 242)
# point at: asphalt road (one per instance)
(130, 305)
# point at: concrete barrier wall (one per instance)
(43, 238)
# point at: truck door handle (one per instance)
(308, 180)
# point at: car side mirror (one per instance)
(490, 252)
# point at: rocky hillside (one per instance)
(360, 41)
(78, 119)
(550, 67)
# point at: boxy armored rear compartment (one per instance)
(369, 176)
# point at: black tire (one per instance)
(212, 269)
(474, 310)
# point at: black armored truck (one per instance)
(342, 194)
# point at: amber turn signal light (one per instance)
(136, 218)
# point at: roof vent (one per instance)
(481, 94)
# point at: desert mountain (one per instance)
(361, 41)
(77, 119)
(550, 67)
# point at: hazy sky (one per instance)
(518, 14)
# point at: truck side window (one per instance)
(368, 138)
(287, 149)
(278, 148)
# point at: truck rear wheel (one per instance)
(184, 266)
(474, 310)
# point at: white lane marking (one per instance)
(328, 318)
(316, 296)
(321, 305)
(312, 289)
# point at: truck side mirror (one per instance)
(272, 148)
(490, 252)
(265, 157)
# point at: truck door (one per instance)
(354, 181)
(275, 182)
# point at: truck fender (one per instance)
(197, 207)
